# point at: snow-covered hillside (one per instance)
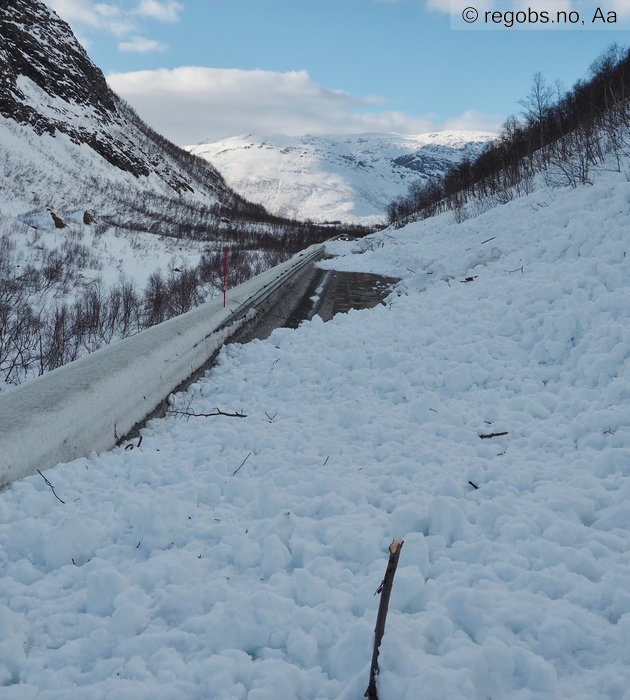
(79, 166)
(482, 415)
(330, 178)
(49, 86)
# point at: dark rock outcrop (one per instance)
(48, 82)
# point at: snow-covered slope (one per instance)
(69, 147)
(85, 187)
(228, 557)
(330, 178)
(49, 85)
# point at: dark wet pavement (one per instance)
(331, 292)
(318, 292)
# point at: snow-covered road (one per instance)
(237, 558)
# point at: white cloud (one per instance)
(193, 105)
(621, 7)
(99, 16)
(551, 6)
(162, 11)
(121, 19)
(75, 11)
(140, 44)
(439, 5)
(471, 120)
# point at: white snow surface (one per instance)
(238, 558)
(348, 178)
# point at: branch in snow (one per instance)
(385, 590)
(52, 488)
(242, 463)
(216, 412)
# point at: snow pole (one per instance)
(385, 589)
(224, 277)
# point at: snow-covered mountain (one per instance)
(350, 178)
(94, 205)
(82, 145)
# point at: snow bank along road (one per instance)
(88, 405)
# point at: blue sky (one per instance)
(199, 70)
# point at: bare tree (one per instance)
(537, 105)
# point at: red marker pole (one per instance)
(224, 277)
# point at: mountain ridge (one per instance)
(49, 84)
(346, 177)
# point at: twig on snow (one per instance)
(130, 446)
(52, 488)
(242, 463)
(217, 412)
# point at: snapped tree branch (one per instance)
(52, 488)
(216, 412)
(385, 590)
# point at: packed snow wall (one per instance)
(88, 405)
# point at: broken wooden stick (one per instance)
(487, 436)
(242, 463)
(52, 488)
(385, 589)
(216, 412)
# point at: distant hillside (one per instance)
(329, 178)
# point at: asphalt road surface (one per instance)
(321, 292)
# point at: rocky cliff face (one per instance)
(47, 81)
(38, 45)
